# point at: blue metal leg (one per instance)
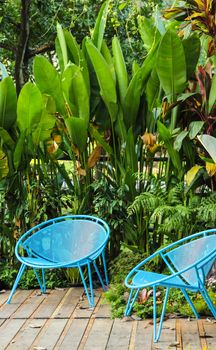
(105, 268)
(208, 301)
(39, 281)
(129, 303)
(91, 285)
(99, 276)
(19, 275)
(190, 303)
(44, 280)
(85, 287)
(154, 315)
(157, 337)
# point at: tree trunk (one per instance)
(22, 46)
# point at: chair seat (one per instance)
(145, 277)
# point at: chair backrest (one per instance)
(68, 239)
(191, 253)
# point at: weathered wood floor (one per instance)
(62, 320)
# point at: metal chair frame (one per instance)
(183, 285)
(38, 261)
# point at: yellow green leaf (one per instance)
(192, 173)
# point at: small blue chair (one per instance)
(66, 241)
(189, 261)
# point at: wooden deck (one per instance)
(62, 320)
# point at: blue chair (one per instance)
(189, 261)
(67, 241)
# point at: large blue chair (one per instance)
(189, 261)
(67, 241)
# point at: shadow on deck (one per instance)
(62, 320)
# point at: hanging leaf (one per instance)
(194, 128)
(209, 143)
(149, 33)
(94, 156)
(179, 139)
(191, 174)
(211, 169)
(171, 65)
(8, 103)
(3, 165)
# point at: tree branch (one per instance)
(8, 47)
(44, 48)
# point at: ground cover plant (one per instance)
(99, 130)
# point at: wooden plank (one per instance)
(120, 335)
(179, 334)
(143, 338)
(30, 305)
(202, 334)
(7, 310)
(49, 304)
(72, 339)
(104, 311)
(8, 331)
(26, 335)
(99, 334)
(190, 335)
(168, 336)
(49, 334)
(83, 310)
(68, 303)
(210, 333)
(1, 322)
(4, 294)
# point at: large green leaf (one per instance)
(149, 33)
(7, 139)
(78, 132)
(171, 65)
(100, 139)
(29, 108)
(152, 89)
(105, 79)
(192, 52)
(46, 122)
(166, 136)
(212, 95)
(48, 81)
(3, 165)
(132, 100)
(209, 143)
(75, 91)
(194, 128)
(99, 29)
(62, 42)
(109, 59)
(8, 103)
(120, 68)
(19, 149)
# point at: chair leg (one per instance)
(208, 301)
(155, 332)
(129, 303)
(105, 268)
(99, 276)
(41, 284)
(19, 275)
(190, 303)
(44, 280)
(89, 297)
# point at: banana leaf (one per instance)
(171, 65)
(8, 103)
(29, 108)
(105, 79)
(62, 42)
(209, 143)
(149, 33)
(78, 132)
(192, 48)
(100, 25)
(48, 81)
(152, 90)
(120, 68)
